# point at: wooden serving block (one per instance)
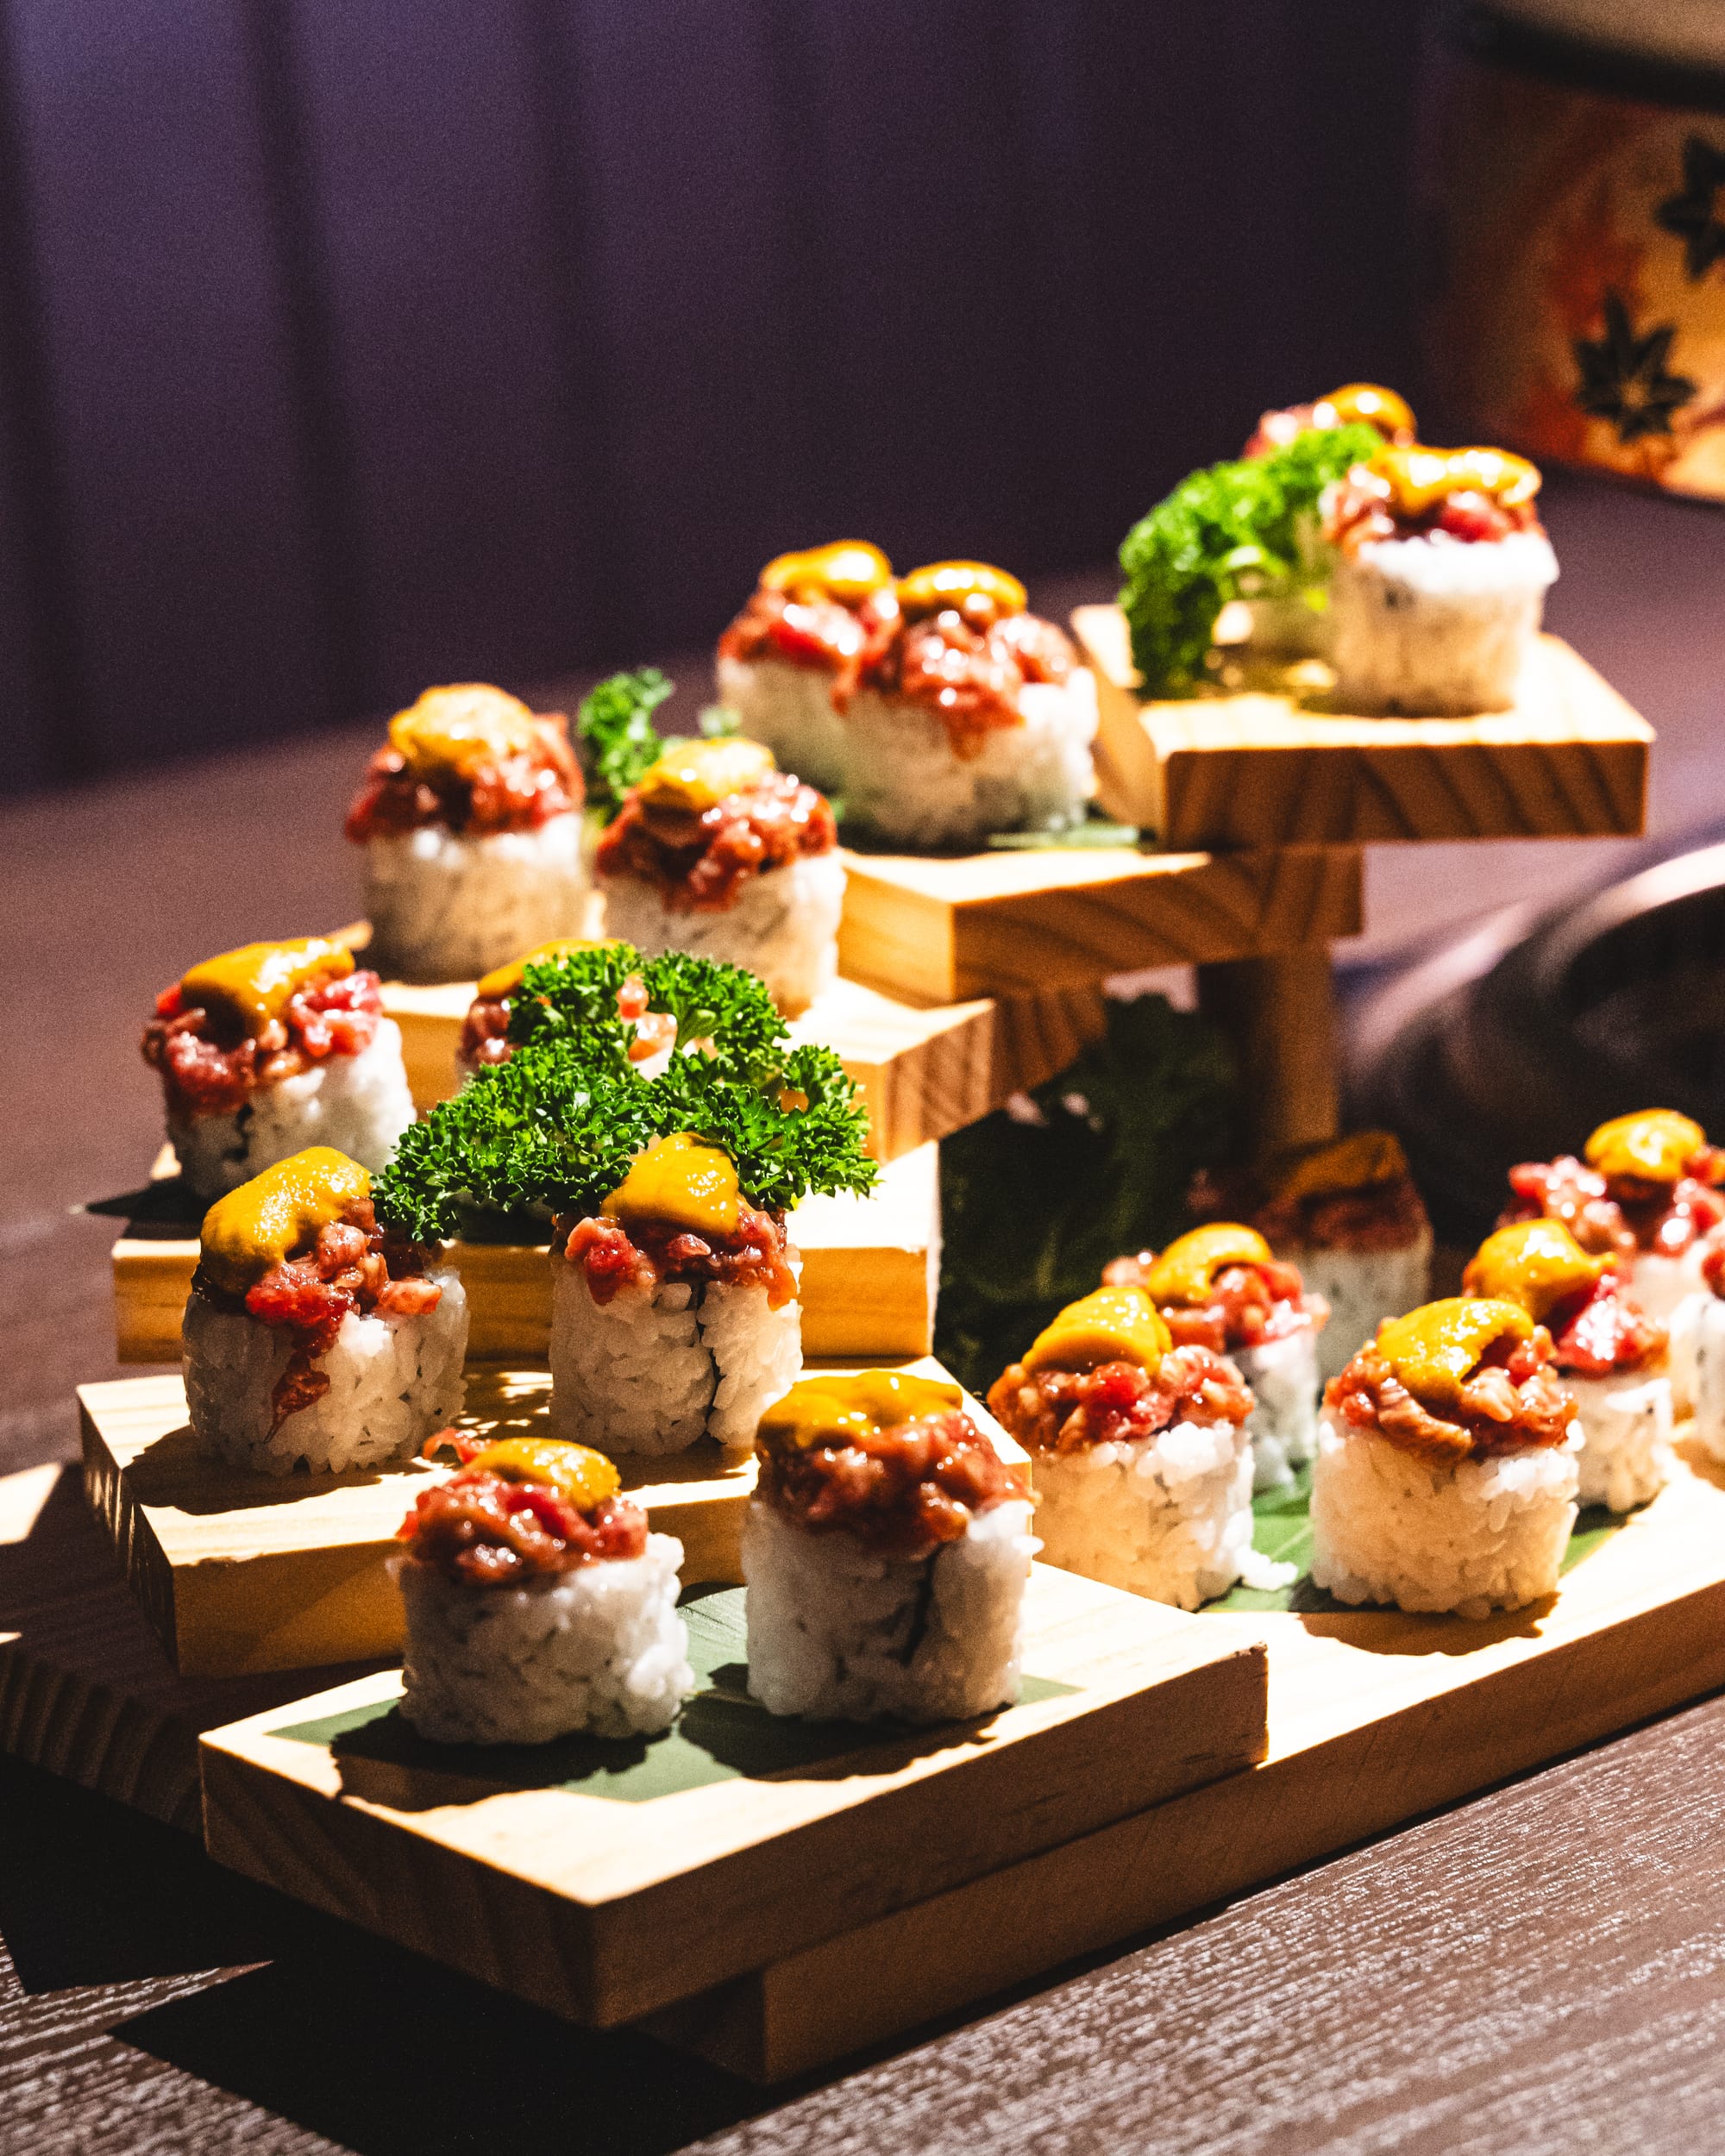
(1569, 759)
(240, 1572)
(1012, 922)
(871, 1268)
(604, 1880)
(1374, 1718)
(86, 1689)
(922, 1073)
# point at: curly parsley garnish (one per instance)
(619, 739)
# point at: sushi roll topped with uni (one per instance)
(313, 1338)
(470, 818)
(887, 1550)
(1447, 1471)
(1347, 1213)
(485, 1038)
(1354, 404)
(717, 851)
(1442, 567)
(539, 1605)
(1697, 1353)
(1140, 1453)
(1646, 1190)
(810, 622)
(264, 1050)
(955, 712)
(1611, 1356)
(1219, 1287)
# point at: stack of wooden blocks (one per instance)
(775, 1899)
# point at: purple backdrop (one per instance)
(345, 345)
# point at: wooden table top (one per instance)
(1533, 1970)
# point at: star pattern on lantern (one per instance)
(1624, 378)
(1690, 215)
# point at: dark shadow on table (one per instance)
(175, 1471)
(1395, 1632)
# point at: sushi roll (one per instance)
(1356, 403)
(1446, 1472)
(887, 1550)
(972, 717)
(313, 1339)
(1219, 1287)
(1611, 1357)
(486, 1042)
(1347, 1215)
(539, 1605)
(1440, 577)
(1140, 1452)
(1646, 1191)
(673, 1307)
(470, 818)
(1697, 1353)
(717, 852)
(269, 1049)
(811, 620)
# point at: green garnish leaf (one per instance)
(1247, 529)
(619, 739)
(720, 724)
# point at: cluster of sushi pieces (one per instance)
(470, 817)
(1418, 573)
(936, 704)
(313, 1338)
(266, 1049)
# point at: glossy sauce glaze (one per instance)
(1219, 1288)
(1648, 1184)
(699, 831)
(1408, 492)
(1454, 1379)
(521, 1508)
(228, 1030)
(470, 759)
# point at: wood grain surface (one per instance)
(1569, 761)
(605, 1910)
(1016, 922)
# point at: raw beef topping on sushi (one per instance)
(1347, 1194)
(708, 816)
(1407, 491)
(299, 1247)
(1356, 403)
(253, 1017)
(1455, 1379)
(471, 759)
(520, 1507)
(1597, 1327)
(1105, 1370)
(679, 1214)
(1219, 1287)
(889, 1458)
(1647, 1184)
(822, 607)
(966, 648)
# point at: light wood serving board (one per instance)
(871, 1268)
(604, 1881)
(923, 1073)
(86, 1689)
(1011, 923)
(241, 1572)
(1374, 1718)
(1569, 759)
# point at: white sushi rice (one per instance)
(904, 781)
(651, 1371)
(788, 709)
(359, 1104)
(1625, 1425)
(1362, 1287)
(839, 1633)
(394, 1381)
(601, 1650)
(1434, 625)
(1168, 1517)
(783, 925)
(1470, 1537)
(1283, 1422)
(445, 907)
(1659, 1284)
(1697, 1368)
